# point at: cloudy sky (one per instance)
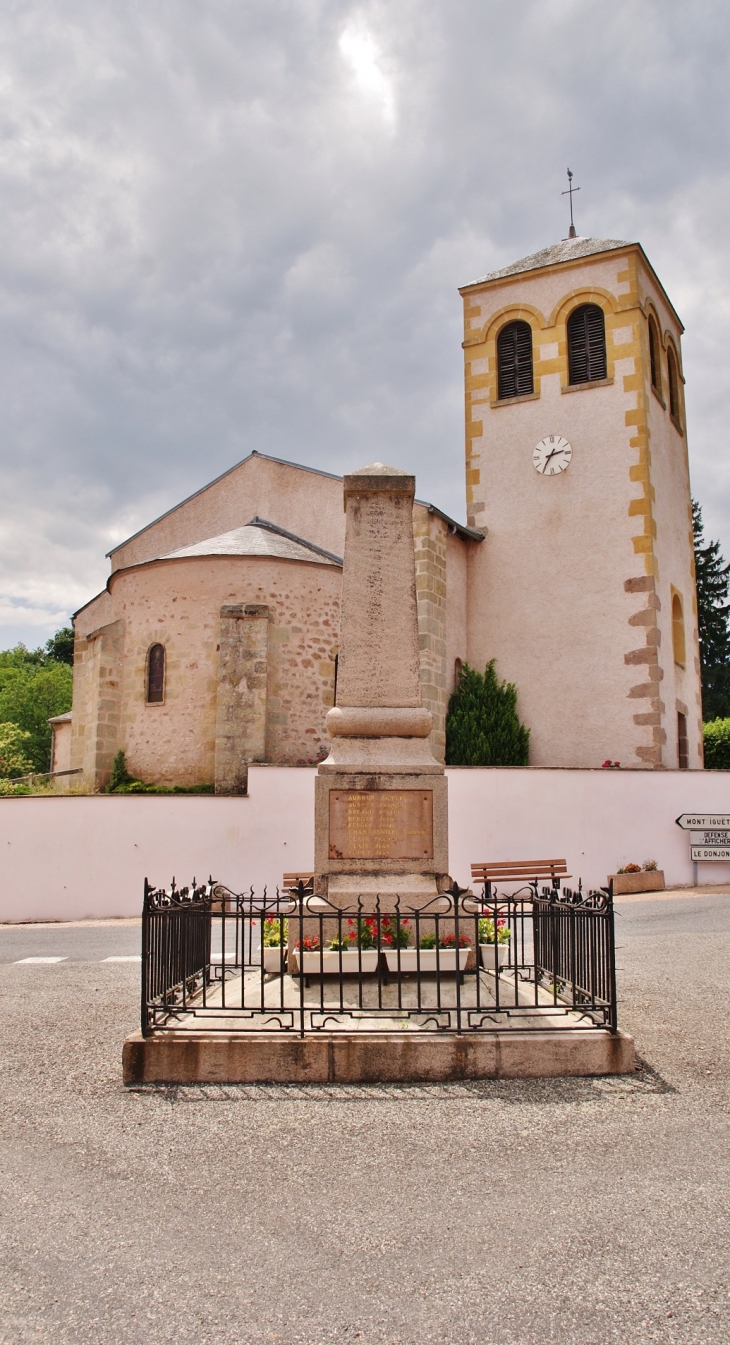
(238, 224)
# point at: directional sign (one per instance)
(710, 852)
(709, 838)
(701, 821)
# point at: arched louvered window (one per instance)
(654, 357)
(673, 385)
(587, 344)
(156, 674)
(678, 643)
(514, 360)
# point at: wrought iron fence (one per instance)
(217, 960)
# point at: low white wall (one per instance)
(67, 858)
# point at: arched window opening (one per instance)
(673, 385)
(678, 643)
(514, 360)
(654, 357)
(156, 674)
(587, 344)
(682, 742)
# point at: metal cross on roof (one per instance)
(569, 192)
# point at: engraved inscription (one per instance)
(381, 824)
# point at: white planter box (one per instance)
(488, 950)
(424, 959)
(274, 959)
(314, 964)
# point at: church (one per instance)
(215, 641)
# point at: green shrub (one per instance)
(121, 782)
(14, 758)
(717, 744)
(482, 724)
(31, 693)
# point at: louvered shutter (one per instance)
(587, 344)
(514, 360)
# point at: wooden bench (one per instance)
(531, 871)
(290, 882)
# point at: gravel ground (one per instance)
(500, 1213)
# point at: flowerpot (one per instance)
(274, 959)
(424, 959)
(623, 883)
(494, 955)
(329, 962)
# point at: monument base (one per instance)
(187, 1057)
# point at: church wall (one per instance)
(552, 589)
(430, 544)
(457, 572)
(304, 502)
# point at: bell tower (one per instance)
(577, 470)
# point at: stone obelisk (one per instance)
(380, 804)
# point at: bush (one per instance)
(121, 782)
(716, 736)
(31, 692)
(482, 725)
(14, 759)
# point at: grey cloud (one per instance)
(215, 238)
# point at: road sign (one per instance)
(709, 852)
(709, 838)
(700, 821)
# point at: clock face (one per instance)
(551, 455)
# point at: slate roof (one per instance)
(569, 250)
(258, 538)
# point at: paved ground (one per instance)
(502, 1213)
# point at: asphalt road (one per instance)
(500, 1213)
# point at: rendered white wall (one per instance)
(73, 857)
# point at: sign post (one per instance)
(709, 838)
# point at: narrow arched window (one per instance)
(654, 357)
(514, 360)
(156, 674)
(587, 344)
(673, 385)
(678, 644)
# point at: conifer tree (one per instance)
(482, 724)
(713, 611)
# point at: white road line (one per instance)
(21, 960)
(136, 958)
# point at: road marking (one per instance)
(136, 958)
(21, 960)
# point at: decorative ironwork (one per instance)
(217, 960)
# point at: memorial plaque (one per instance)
(381, 824)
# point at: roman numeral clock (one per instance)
(552, 455)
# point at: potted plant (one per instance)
(493, 942)
(644, 877)
(274, 936)
(428, 957)
(355, 951)
(395, 936)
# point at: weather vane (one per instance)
(569, 192)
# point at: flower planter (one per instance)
(275, 959)
(494, 955)
(624, 883)
(424, 959)
(329, 962)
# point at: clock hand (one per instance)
(552, 454)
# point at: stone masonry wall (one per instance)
(429, 535)
(240, 734)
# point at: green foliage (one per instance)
(717, 744)
(14, 759)
(275, 931)
(713, 612)
(482, 725)
(60, 647)
(32, 690)
(486, 931)
(7, 788)
(121, 782)
(120, 775)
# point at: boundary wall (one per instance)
(72, 857)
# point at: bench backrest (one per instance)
(290, 881)
(523, 870)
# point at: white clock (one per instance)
(551, 455)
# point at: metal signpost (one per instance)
(709, 838)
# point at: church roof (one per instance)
(571, 249)
(258, 538)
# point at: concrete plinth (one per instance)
(356, 1057)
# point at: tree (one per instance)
(30, 694)
(60, 647)
(14, 759)
(713, 612)
(482, 724)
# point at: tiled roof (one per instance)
(257, 538)
(569, 250)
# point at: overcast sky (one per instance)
(238, 224)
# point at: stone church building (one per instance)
(214, 643)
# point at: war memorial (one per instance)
(377, 966)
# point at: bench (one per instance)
(531, 871)
(290, 882)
